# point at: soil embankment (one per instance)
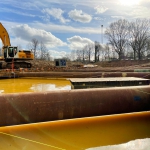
(110, 66)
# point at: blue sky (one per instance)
(65, 25)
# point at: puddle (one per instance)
(33, 85)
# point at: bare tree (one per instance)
(107, 52)
(89, 51)
(48, 56)
(139, 36)
(99, 51)
(19, 47)
(117, 34)
(43, 51)
(102, 52)
(73, 55)
(148, 48)
(84, 53)
(34, 46)
(79, 55)
(67, 57)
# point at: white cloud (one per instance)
(129, 2)
(56, 13)
(80, 16)
(19, 42)
(117, 17)
(8, 10)
(140, 12)
(27, 33)
(57, 54)
(77, 42)
(99, 18)
(68, 29)
(31, 4)
(100, 9)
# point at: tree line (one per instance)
(126, 40)
(39, 50)
(123, 35)
(93, 51)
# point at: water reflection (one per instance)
(139, 144)
(1, 91)
(48, 87)
(33, 85)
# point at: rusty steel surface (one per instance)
(145, 75)
(26, 108)
(84, 74)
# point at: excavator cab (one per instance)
(10, 52)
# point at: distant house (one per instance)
(60, 62)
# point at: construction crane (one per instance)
(11, 54)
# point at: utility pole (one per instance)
(102, 42)
(101, 34)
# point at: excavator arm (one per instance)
(4, 36)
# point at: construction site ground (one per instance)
(118, 65)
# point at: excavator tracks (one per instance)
(17, 65)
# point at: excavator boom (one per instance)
(4, 36)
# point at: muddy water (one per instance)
(33, 85)
(79, 134)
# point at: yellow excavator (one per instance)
(11, 55)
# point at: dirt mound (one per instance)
(122, 64)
